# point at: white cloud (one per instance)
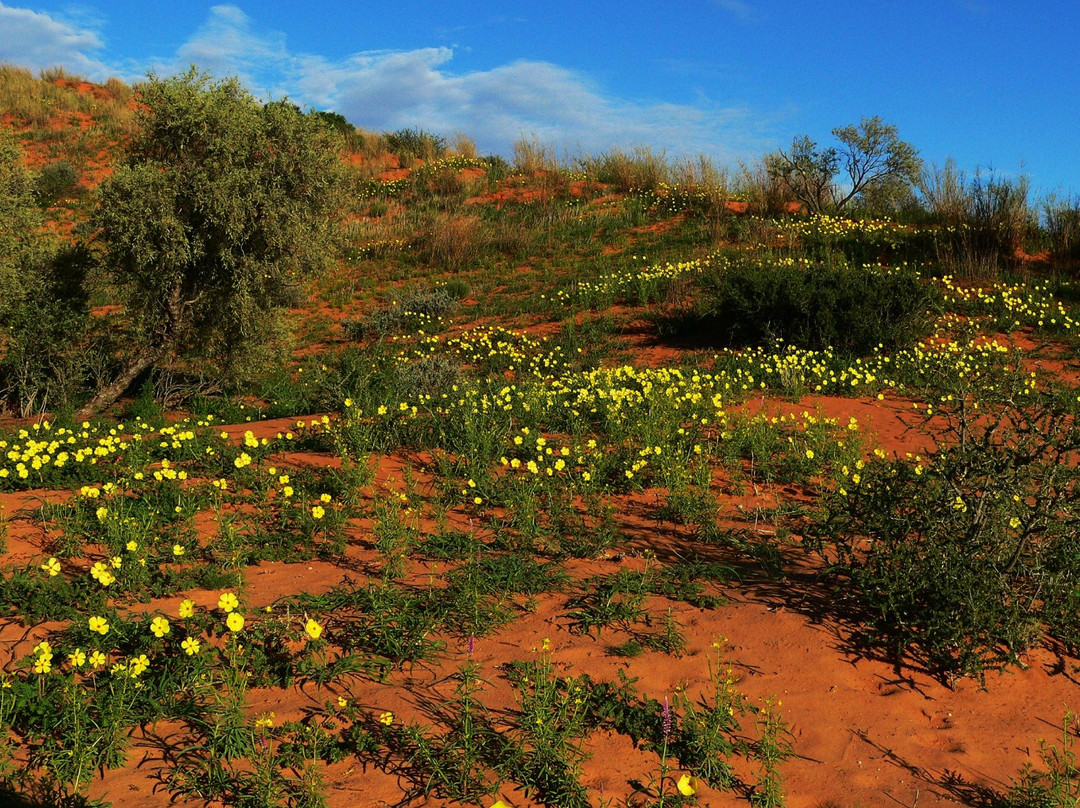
(39, 41)
(226, 45)
(388, 90)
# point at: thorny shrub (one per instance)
(969, 556)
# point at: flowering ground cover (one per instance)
(497, 533)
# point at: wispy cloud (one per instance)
(39, 41)
(388, 90)
(739, 8)
(226, 44)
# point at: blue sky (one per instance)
(991, 83)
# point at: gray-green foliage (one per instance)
(222, 208)
(414, 144)
(41, 298)
(56, 181)
(19, 217)
(419, 309)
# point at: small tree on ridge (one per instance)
(870, 155)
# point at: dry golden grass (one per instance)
(35, 103)
(463, 146)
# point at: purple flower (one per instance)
(665, 716)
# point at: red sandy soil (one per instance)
(394, 174)
(662, 226)
(866, 732)
(84, 88)
(509, 194)
(511, 190)
(472, 174)
(1054, 359)
(1043, 257)
(743, 207)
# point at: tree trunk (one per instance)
(161, 344)
(108, 393)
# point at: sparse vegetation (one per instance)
(454, 484)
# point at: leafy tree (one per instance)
(45, 361)
(892, 196)
(807, 171)
(334, 120)
(871, 155)
(222, 208)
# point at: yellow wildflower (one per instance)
(227, 601)
(159, 626)
(52, 566)
(687, 785)
(99, 624)
(138, 665)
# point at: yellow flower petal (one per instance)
(687, 785)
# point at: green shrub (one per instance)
(334, 120)
(20, 221)
(414, 144)
(817, 306)
(967, 558)
(497, 168)
(428, 376)
(378, 208)
(42, 303)
(862, 241)
(420, 309)
(56, 181)
(457, 289)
